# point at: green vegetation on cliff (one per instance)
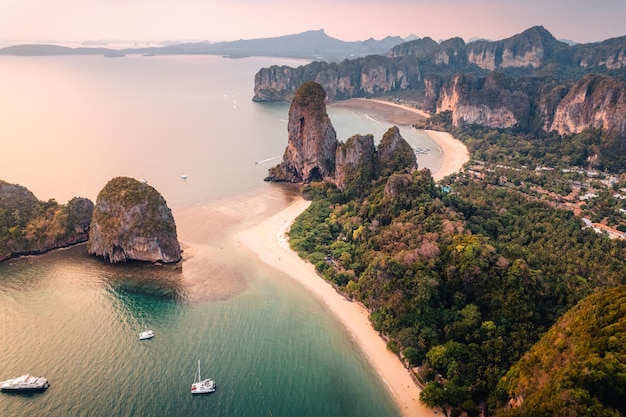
(29, 226)
(131, 221)
(578, 368)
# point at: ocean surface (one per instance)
(70, 124)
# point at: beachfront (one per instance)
(269, 242)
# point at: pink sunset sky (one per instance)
(350, 20)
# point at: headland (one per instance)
(269, 241)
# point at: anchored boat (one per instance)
(202, 386)
(25, 383)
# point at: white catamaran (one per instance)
(201, 386)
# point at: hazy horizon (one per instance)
(158, 21)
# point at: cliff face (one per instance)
(528, 49)
(356, 162)
(490, 101)
(595, 101)
(29, 226)
(515, 81)
(131, 221)
(395, 154)
(314, 154)
(310, 153)
(363, 77)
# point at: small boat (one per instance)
(25, 383)
(202, 386)
(184, 176)
(148, 334)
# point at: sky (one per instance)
(63, 21)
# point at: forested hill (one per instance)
(578, 368)
(464, 282)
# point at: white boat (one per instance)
(25, 383)
(202, 386)
(148, 334)
(184, 176)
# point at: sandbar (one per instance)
(269, 241)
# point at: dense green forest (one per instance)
(464, 279)
(578, 367)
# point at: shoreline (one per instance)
(269, 242)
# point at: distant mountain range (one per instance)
(313, 44)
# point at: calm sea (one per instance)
(68, 125)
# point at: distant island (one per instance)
(312, 45)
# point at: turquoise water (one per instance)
(72, 123)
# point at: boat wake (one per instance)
(267, 160)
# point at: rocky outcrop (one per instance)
(363, 77)
(531, 48)
(312, 140)
(29, 226)
(490, 101)
(356, 162)
(395, 154)
(517, 81)
(131, 221)
(314, 154)
(596, 101)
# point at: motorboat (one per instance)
(184, 176)
(202, 386)
(25, 383)
(148, 334)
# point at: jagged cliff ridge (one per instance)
(519, 81)
(314, 154)
(29, 226)
(131, 221)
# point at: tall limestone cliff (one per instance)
(395, 154)
(314, 154)
(131, 221)
(595, 101)
(310, 152)
(528, 49)
(492, 101)
(538, 71)
(357, 162)
(29, 226)
(362, 77)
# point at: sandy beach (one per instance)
(269, 242)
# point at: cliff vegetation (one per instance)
(131, 221)
(577, 368)
(30, 226)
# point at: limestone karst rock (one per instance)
(395, 154)
(314, 154)
(312, 142)
(131, 221)
(356, 162)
